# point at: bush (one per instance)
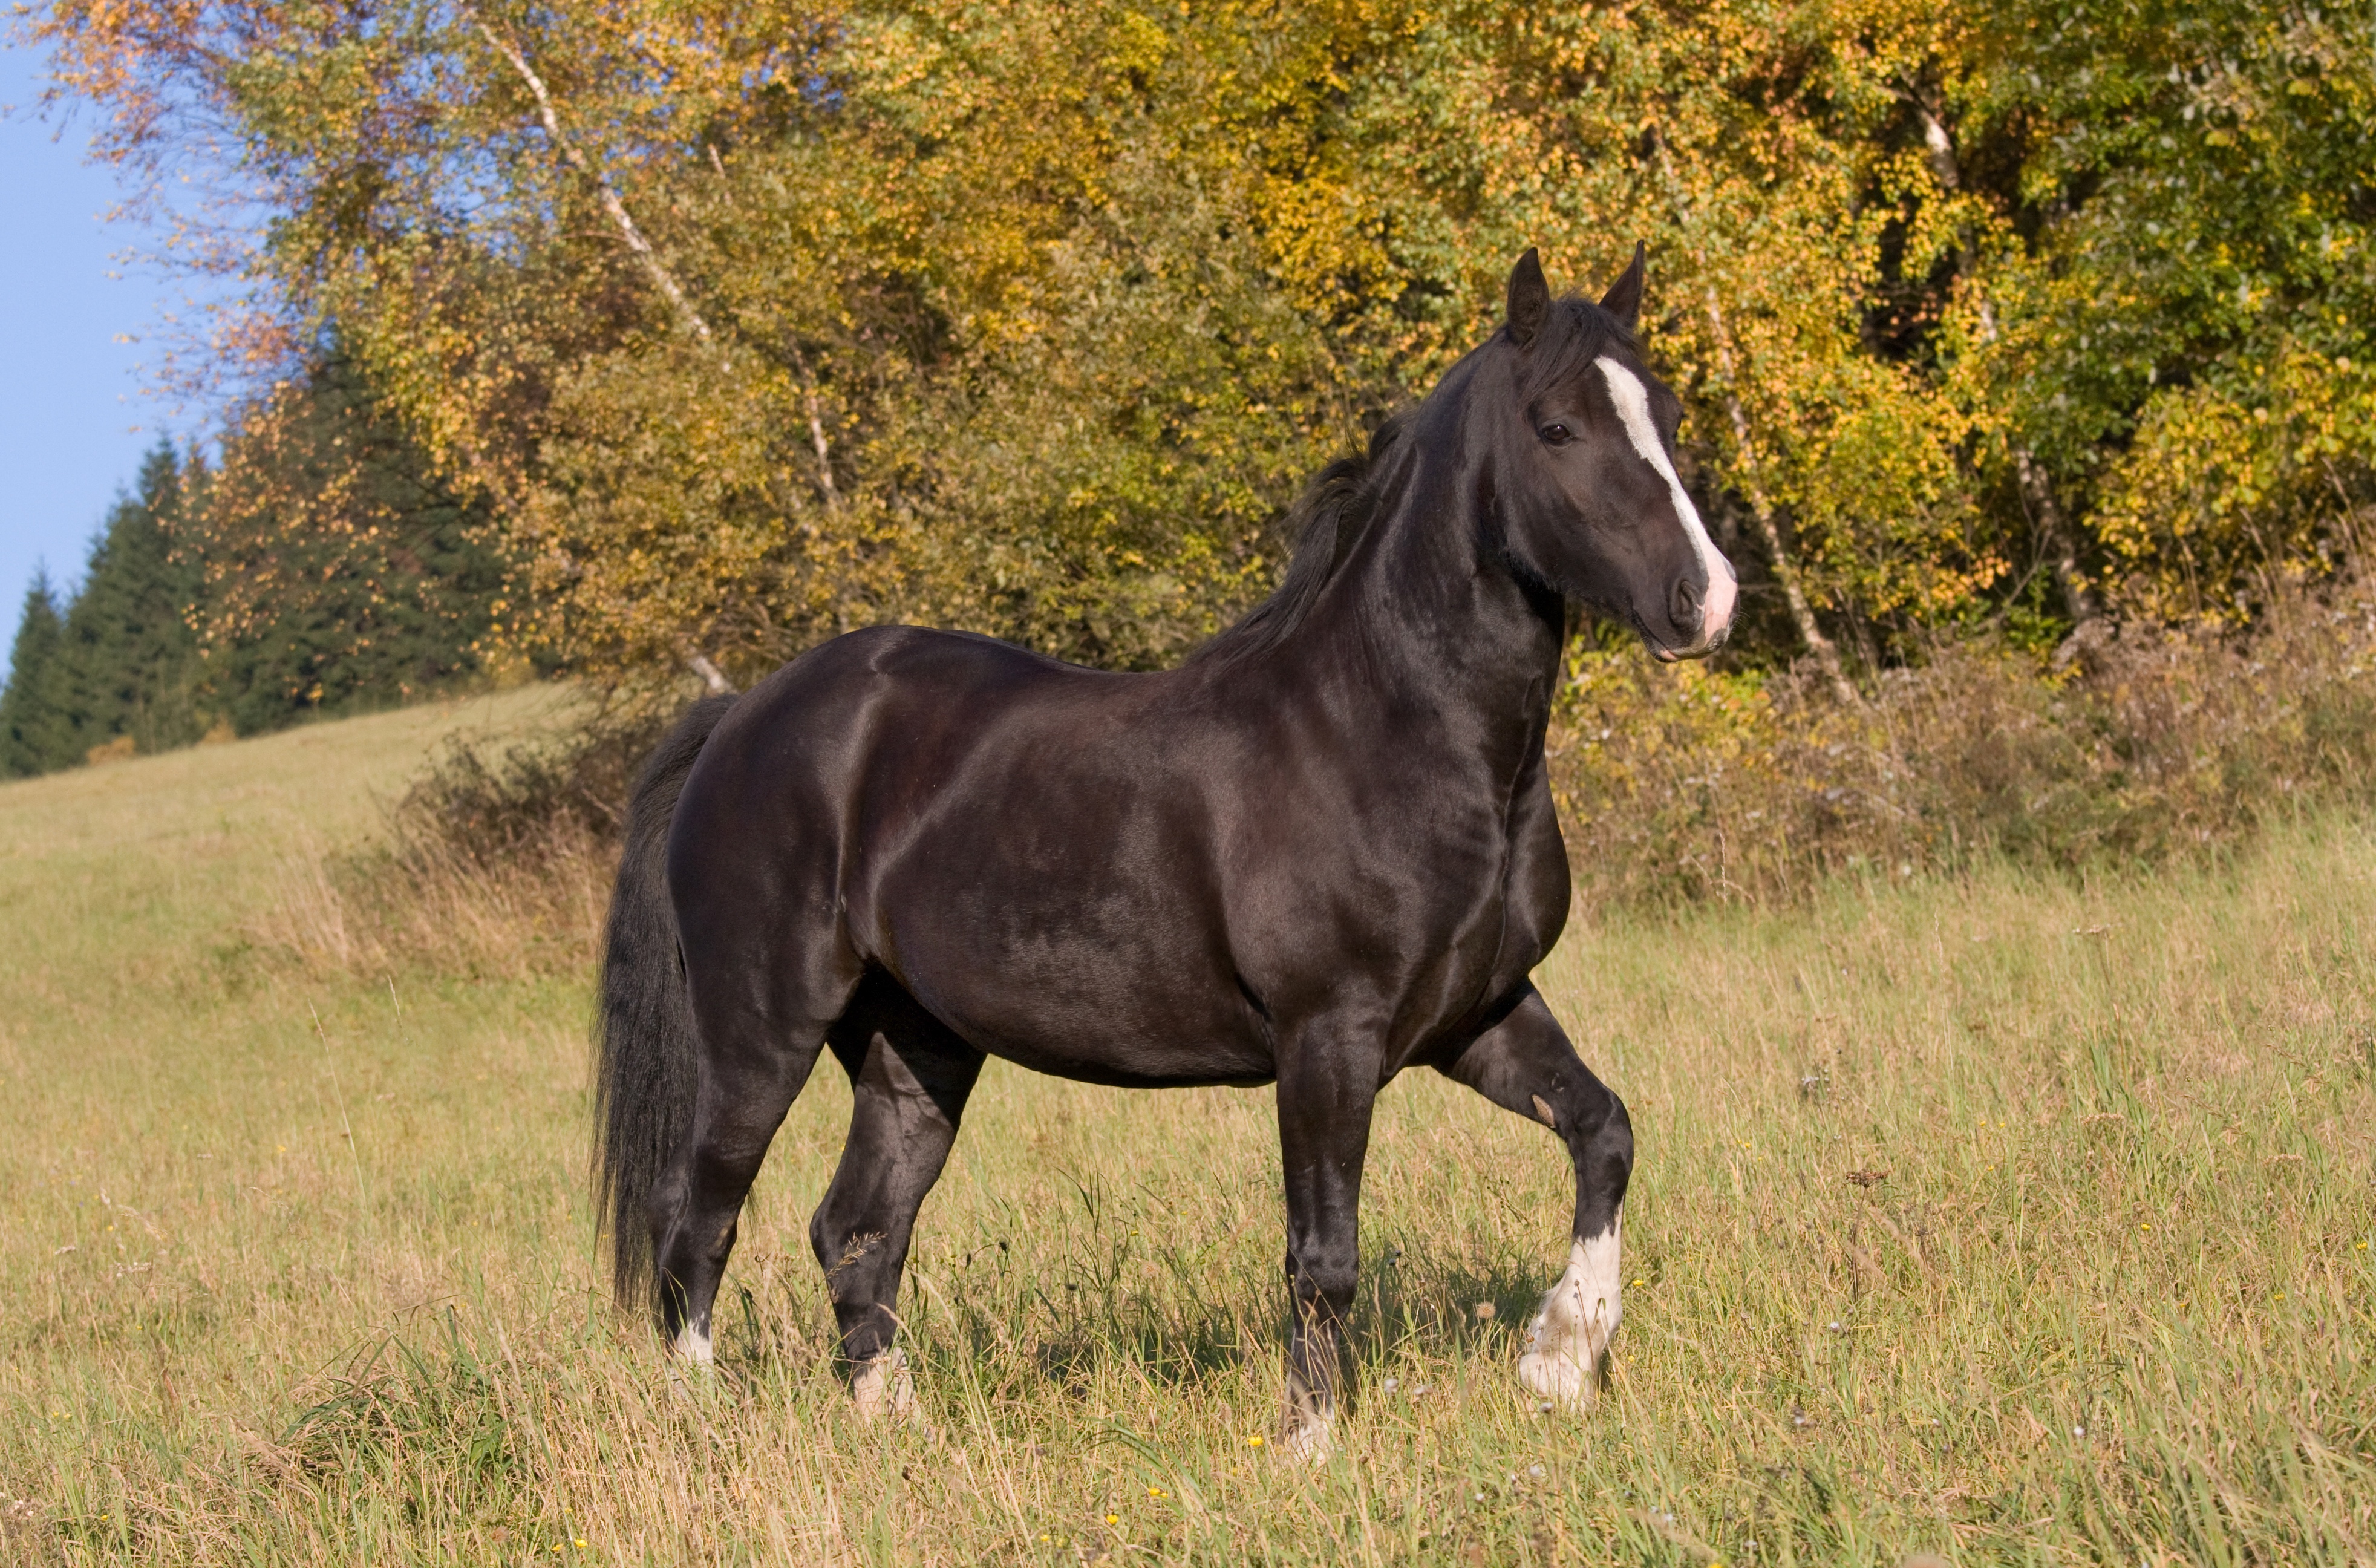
(492, 861)
(2133, 744)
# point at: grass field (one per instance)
(300, 1268)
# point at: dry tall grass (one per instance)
(426, 902)
(303, 1265)
(496, 860)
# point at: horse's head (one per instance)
(1584, 470)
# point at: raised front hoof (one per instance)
(1572, 1328)
(884, 1389)
(1305, 1437)
(1559, 1379)
(1562, 1364)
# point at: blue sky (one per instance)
(74, 422)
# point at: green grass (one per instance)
(300, 1264)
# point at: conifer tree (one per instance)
(339, 572)
(128, 662)
(34, 734)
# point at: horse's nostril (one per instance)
(1686, 613)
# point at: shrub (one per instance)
(492, 861)
(2132, 745)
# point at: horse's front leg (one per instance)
(1327, 1090)
(1525, 1063)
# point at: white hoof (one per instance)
(1308, 1438)
(1571, 1330)
(883, 1387)
(1561, 1378)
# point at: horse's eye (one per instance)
(1555, 434)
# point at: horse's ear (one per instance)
(1624, 299)
(1530, 299)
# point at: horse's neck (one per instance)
(1423, 611)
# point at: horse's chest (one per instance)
(1393, 892)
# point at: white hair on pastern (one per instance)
(884, 1387)
(1573, 1328)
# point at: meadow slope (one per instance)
(301, 1261)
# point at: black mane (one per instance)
(1337, 507)
(1333, 512)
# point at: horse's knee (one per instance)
(1324, 1271)
(1610, 1147)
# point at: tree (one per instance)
(126, 665)
(337, 570)
(2189, 330)
(35, 735)
(741, 325)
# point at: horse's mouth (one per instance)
(1658, 650)
(1665, 654)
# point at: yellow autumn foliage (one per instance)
(746, 323)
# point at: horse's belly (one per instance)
(1163, 1066)
(1094, 1018)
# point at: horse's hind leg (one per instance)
(755, 1055)
(909, 1076)
(1525, 1063)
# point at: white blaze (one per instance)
(1562, 1355)
(693, 1344)
(1633, 401)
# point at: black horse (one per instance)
(1318, 852)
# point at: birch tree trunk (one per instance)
(650, 259)
(1761, 510)
(2037, 487)
(1769, 530)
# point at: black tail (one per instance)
(644, 1040)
